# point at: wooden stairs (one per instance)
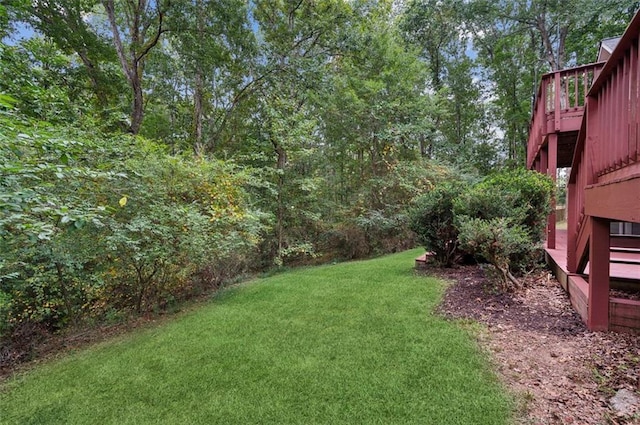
(592, 114)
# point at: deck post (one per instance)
(556, 104)
(552, 165)
(543, 162)
(572, 224)
(599, 253)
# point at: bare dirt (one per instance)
(559, 372)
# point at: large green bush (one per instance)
(500, 219)
(91, 225)
(433, 221)
(180, 217)
(522, 196)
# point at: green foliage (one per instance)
(437, 31)
(32, 73)
(47, 208)
(328, 115)
(497, 241)
(522, 196)
(433, 220)
(91, 223)
(502, 219)
(378, 221)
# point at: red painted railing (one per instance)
(615, 142)
(549, 110)
(609, 139)
(581, 176)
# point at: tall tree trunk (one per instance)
(554, 57)
(198, 97)
(133, 64)
(137, 110)
(280, 165)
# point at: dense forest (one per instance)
(151, 151)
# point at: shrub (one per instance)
(496, 240)
(432, 219)
(502, 220)
(181, 216)
(89, 226)
(521, 195)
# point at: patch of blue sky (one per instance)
(21, 31)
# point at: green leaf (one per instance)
(17, 152)
(7, 101)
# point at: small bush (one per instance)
(432, 219)
(502, 220)
(497, 241)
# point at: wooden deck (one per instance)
(624, 314)
(588, 118)
(625, 264)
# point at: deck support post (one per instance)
(572, 224)
(552, 165)
(599, 259)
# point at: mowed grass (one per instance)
(353, 343)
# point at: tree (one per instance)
(215, 51)
(65, 24)
(437, 30)
(376, 109)
(434, 26)
(5, 22)
(298, 39)
(518, 41)
(136, 27)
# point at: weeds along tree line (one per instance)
(151, 151)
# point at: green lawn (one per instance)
(353, 343)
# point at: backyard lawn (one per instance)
(352, 343)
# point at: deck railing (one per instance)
(615, 142)
(609, 139)
(581, 176)
(571, 86)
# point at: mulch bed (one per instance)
(560, 372)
